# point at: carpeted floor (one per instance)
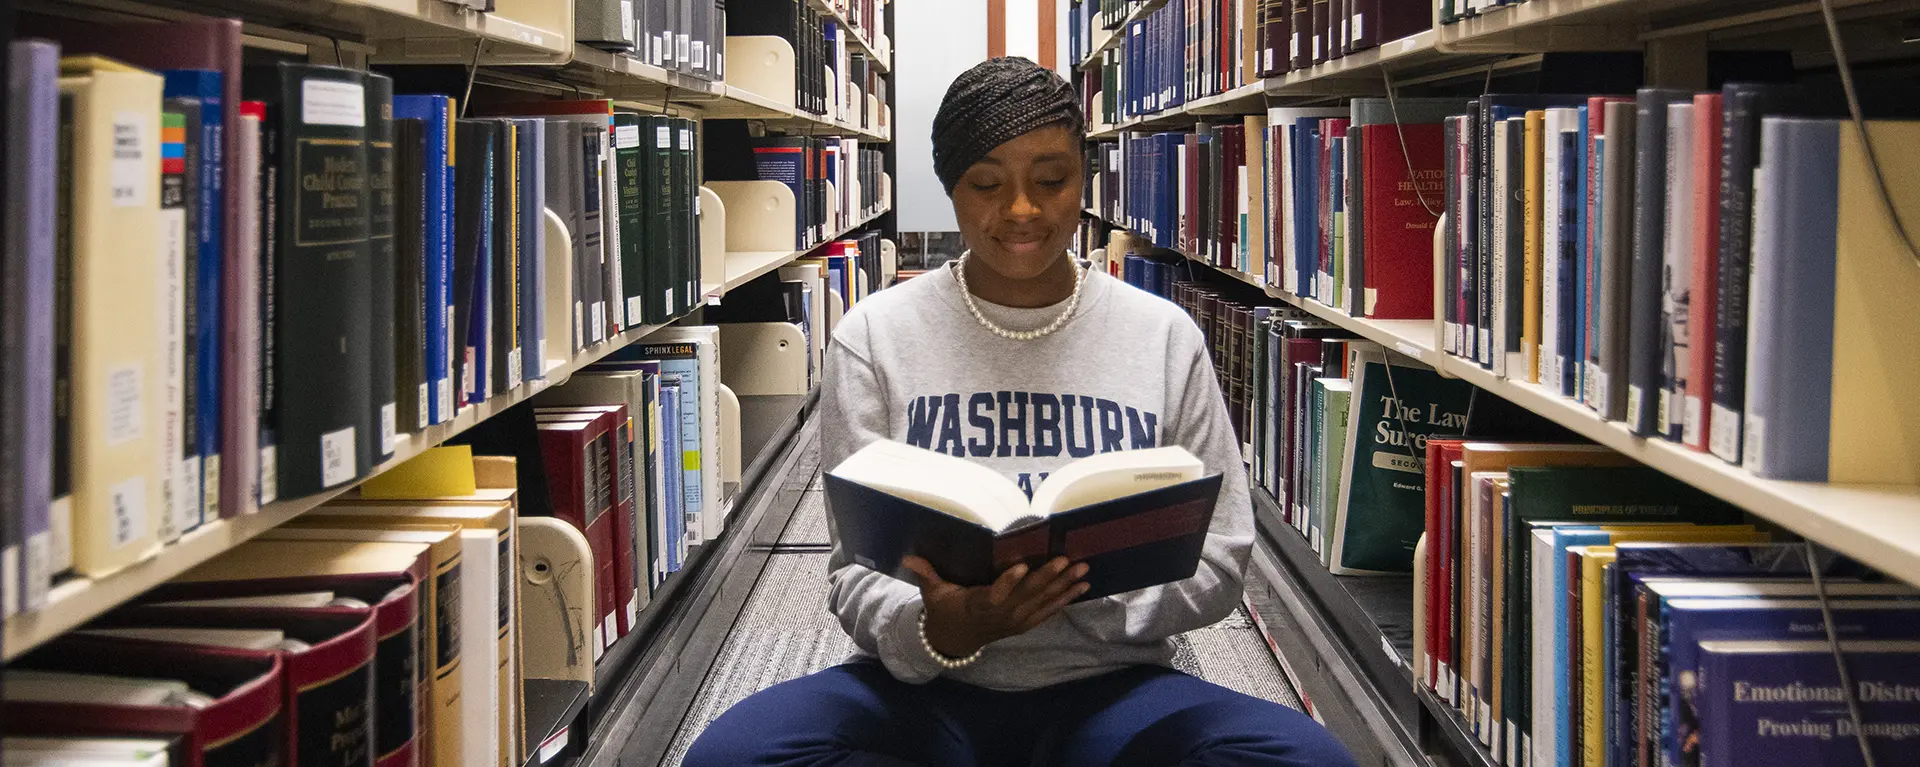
(785, 632)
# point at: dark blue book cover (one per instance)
(1783, 702)
(1306, 241)
(433, 112)
(1129, 543)
(1569, 192)
(480, 318)
(1636, 561)
(1676, 624)
(207, 86)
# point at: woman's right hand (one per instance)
(962, 619)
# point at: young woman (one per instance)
(1019, 357)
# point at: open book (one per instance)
(1138, 518)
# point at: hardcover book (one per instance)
(1396, 408)
(1783, 702)
(1139, 518)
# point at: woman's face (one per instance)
(1018, 206)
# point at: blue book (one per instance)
(434, 111)
(1635, 562)
(479, 328)
(27, 289)
(672, 473)
(531, 150)
(1773, 701)
(1556, 732)
(207, 86)
(1782, 702)
(1306, 239)
(679, 361)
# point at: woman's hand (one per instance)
(962, 619)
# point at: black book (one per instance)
(320, 273)
(1150, 532)
(656, 182)
(472, 214)
(593, 261)
(410, 273)
(689, 155)
(686, 275)
(503, 370)
(1644, 321)
(631, 209)
(380, 261)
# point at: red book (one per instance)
(1396, 227)
(1706, 271)
(619, 490)
(575, 456)
(400, 679)
(1443, 559)
(1226, 225)
(328, 683)
(246, 723)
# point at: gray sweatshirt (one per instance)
(1129, 370)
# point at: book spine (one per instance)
(1678, 263)
(1649, 232)
(1790, 388)
(27, 324)
(632, 207)
(379, 191)
(533, 250)
(1698, 413)
(179, 513)
(1740, 139)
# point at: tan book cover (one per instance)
(1253, 187)
(1531, 243)
(1875, 421)
(116, 275)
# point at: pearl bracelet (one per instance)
(944, 661)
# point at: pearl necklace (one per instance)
(1073, 302)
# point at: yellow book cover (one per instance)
(110, 230)
(489, 509)
(436, 472)
(1253, 192)
(439, 610)
(1531, 243)
(1875, 421)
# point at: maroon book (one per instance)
(574, 452)
(329, 682)
(1397, 229)
(246, 723)
(1300, 35)
(628, 535)
(400, 678)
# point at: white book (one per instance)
(480, 660)
(1678, 263)
(1545, 733)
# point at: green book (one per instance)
(630, 212)
(1381, 503)
(656, 139)
(1333, 395)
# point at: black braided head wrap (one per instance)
(993, 103)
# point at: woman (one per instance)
(1018, 357)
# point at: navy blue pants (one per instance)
(858, 715)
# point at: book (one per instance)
(1646, 284)
(383, 411)
(1677, 273)
(530, 151)
(1843, 384)
(114, 405)
(1396, 408)
(692, 352)
(331, 701)
(435, 114)
(1399, 151)
(179, 149)
(206, 88)
(375, 573)
(1697, 406)
(109, 752)
(235, 716)
(1782, 701)
(1138, 517)
(240, 491)
(472, 272)
(320, 414)
(401, 675)
(27, 285)
(612, 487)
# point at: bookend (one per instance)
(556, 595)
(558, 319)
(762, 358)
(762, 65)
(713, 243)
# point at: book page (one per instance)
(1104, 477)
(950, 485)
